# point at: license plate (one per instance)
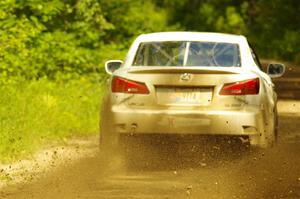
(184, 96)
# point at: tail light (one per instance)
(121, 85)
(247, 87)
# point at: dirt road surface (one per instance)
(223, 173)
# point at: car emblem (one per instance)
(185, 77)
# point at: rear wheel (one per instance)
(276, 125)
(108, 141)
(269, 137)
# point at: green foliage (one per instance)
(275, 28)
(34, 112)
(131, 18)
(271, 26)
(232, 22)
(57, 38)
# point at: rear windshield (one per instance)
(187, 54)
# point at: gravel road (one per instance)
(227, 174)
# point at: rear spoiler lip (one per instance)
(200, 70)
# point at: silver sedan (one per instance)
(190, 84)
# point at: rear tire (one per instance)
(269, 138)
(108, 141)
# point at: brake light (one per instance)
(248, 87)
(121, 85)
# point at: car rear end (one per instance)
(159, 101)
(187, 88)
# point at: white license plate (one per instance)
(184, 96)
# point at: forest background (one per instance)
(52, 54)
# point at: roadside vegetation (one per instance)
(35, 112)
(52, 54)
(51, 65)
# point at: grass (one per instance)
(32, 113)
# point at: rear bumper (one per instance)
(247, 121)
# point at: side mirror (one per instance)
(275, 70)
(112, 65)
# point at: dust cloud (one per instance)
(222, 170)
